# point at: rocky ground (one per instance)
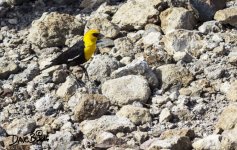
(164, 76)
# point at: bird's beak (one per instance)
(100, 36)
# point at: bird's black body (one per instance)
(73, 56)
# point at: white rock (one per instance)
(105, 137)
(60, 139)
(227, 16)
(112, 124)
(126, 89)
(177, 18)
(232, 92)
(210, 26)
(137, 115)
(211, 142)
(165, 115)
(152, 38)
(52, 29)
(135, 13)
(44, 103)
(176, 143)
(137, 67)
(184, 41)
(101, 67)
(68, 88)
(21, 126)
(228, 119)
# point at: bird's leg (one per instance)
(86, 73)
(73, 76)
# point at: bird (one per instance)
(80, 52)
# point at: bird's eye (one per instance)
(95, 34)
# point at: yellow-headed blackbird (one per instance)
(81, 52)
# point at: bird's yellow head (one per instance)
(92, 35)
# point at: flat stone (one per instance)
(60, 139)
(227, 16)
(101, 67)
(44, 103)
(210, 26)
(111, 124)
(184, 41)
(165, 115)
(176, 143)
(137, 14)
(91, 106)
(180, 132)
(137, 115)
(171, 75)
(229, 139)
(67, 89)
(52, 28)
(228, 118)
(21, 126)
(137, 67)
(231, 94)
(7, 68)
(177, 18)
(209, 142)
(126, 89)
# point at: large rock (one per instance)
(180, 132)
(106, 138)
(52, 29)
(151, 38)
(60, 122)
(137, 67)
(137, 115)
(7, 68)
(91, 106)
(231, 94)
(205, 9)
(230, 37)
(177, 18)
(214, 72)
(227, 16)
(184, 41)
(21, 126)
(124, 47)
(172, 75)
(173, 143)
(229, 139)
(209, 142)
(210, 26)
(135, 14)
(44, 103)
(60, 139)
(111, 124)
(102, 22)
(101, 67)
(165, 115)
(232, 57)
(68, 88)
(127, 89)
(228, 118)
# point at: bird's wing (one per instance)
(76, 51)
